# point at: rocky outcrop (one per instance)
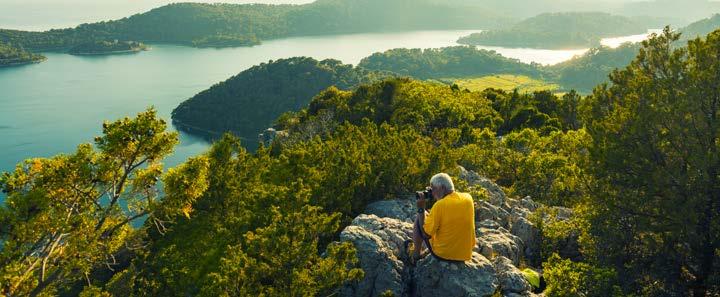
(499, 242)
(476, 277)
(506, 239)
(376, 241)
(495, 192)
(529, 234)
(512, 281)
(486, 211)
(401, 209)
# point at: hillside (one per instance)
(448, 62)
(612, 194)
(558, 31)
(223, 25)
(584, 72)
(592, 68)
(701, 27)
(10, 56)
(248, 102)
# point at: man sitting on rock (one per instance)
(448, 230)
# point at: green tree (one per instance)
(656, 133)
(69, 214)
(566, 278)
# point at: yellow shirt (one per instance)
(451, 226)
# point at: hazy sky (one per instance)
(47, 14)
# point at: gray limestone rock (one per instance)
(510, 278)
(377, 252)
(401, 209)
(439, 278)
(499, 242)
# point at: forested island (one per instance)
(223, 25)
(457, 61)
(247, 103)
(11, 56)
(558, 31)
(614, 194)
(108, 47)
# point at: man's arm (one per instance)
(430, 221)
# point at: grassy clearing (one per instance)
(509, 82)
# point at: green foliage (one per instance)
(424, 107)
(93, 291)
(247, 103)
(593, 67)
(547, 168)
(506, 82)
(577, 279)
(282, 259)
(358, 165)
(253, 231)
(558, 31)
(532, 277)
(10, 55)
(456, 61)
(656, 132)
(68, 214)
(107, 47)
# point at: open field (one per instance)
(509, 82)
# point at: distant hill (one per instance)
(457, 61)
(701, 28)
(182, 23)
(247, 103)
(584, 72)
(10, 56)
(559, 31)
(222, 25)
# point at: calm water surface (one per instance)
(49, 108)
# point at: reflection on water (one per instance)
(617, 41)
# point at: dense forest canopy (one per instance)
(584, 72)
(247, 103)
(10, 55)
(558, 31)
(457, 61)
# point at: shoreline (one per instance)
(24, 63)
(110, 53)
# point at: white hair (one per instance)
(444, 180)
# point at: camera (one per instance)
(427, 194)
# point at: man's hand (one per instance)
(421, 202)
